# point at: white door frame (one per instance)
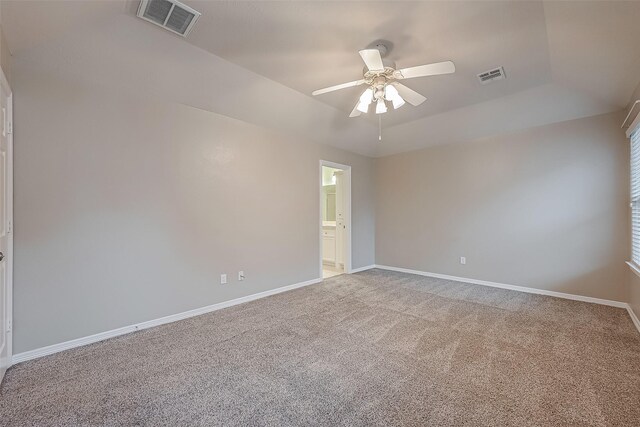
(347, 210)
(9, 255)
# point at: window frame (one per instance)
(633, 133)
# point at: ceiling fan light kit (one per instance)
(381, 107)
(365, 100)
(382, 78)
(392, 94)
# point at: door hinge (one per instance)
(10, 227)
(9, 324)
(10, 128)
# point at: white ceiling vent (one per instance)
(492, 75)
(169, 14)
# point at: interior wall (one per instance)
(5, 57)
(545, 208)
(129, 208)
(634, 97)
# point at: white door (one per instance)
(5, 216)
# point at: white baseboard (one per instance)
(55, 348)
(634, 318)
(359, 269)
(574, 297)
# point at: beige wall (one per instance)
(545, 208)
(5, 56)
(634, 97)
(129, 209)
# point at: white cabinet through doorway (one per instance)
(329, 244)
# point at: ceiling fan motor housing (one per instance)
(389, 68)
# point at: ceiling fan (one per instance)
(382, 77)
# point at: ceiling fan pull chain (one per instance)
(379, 128)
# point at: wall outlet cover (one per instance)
(223, 279)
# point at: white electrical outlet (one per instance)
(240, 276)
(463, 260)
(223, 279)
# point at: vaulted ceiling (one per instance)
(260, 61)
(312, 45)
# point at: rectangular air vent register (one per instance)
(169, 14)
(491, 75)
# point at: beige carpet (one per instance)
(371, 349)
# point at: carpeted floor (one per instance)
(373, 348)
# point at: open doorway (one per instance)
(335, 219)
(6, 219)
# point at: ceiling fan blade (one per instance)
(372, 59)
(355, 112)
(409, 95)
(446, 67)
(337, 87)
